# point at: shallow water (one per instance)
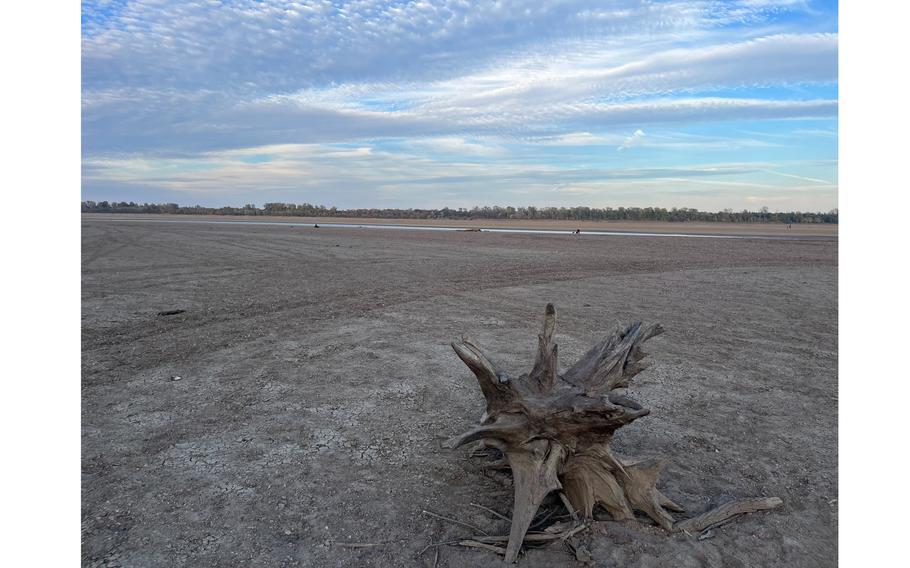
(585, 233)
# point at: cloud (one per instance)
(630, 140)
(457, 146)
(804, 178)
(282, 45)
(209, 96)
(217, 123)
(322, 166)
(782, 58)
(518, 96)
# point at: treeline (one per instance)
(495, 212)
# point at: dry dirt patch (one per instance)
(316, 383)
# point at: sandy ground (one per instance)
(317, 381)
(753, 229)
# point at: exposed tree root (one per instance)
(554, 432)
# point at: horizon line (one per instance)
(321, 207)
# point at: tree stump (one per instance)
(554, 431)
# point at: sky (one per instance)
(363, 104)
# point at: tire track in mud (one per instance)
(124, 238)
(244, 294)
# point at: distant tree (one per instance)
(579, 213)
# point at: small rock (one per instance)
(582, 554)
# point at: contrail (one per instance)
(826, 182)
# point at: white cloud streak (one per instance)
(804, 178)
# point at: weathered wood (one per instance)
(536, 537)
(474, 544)
(726, 512)
(492, 512)
(553, 431)
(544, 372)
(535, 466)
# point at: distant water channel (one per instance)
(584, 232)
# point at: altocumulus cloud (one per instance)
(433, 89)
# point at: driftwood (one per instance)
(554, 432)
(726, 512)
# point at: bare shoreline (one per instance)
(265, 416)
(744, 229)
